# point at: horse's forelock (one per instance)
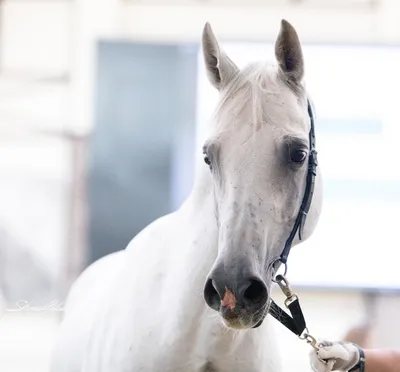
(244, 98)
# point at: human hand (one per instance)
(339, 356)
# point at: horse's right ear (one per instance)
(288, 52)
(220, 68)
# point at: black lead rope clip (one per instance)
(295, 323)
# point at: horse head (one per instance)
(257, 150)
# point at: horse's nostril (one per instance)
(211, 295)
(256, 293)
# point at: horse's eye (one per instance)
(298, 156)
(207, 160)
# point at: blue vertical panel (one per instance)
(145, 107)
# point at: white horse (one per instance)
(191, 291)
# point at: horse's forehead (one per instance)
(276, 106)
(281, 102)
(260, 103)
(277, 118)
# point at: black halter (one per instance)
(297, 323)
(308, 193)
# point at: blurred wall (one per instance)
(63, 26)
(145, 118)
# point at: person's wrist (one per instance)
(360, 364)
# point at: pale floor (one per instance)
(26, 341)
(26, 338)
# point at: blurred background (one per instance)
(103, 105)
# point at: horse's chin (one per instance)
(234, 325)
(259, 322)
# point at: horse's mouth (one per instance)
(239, 318)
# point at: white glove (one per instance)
(340, 356)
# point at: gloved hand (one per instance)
(340, 356)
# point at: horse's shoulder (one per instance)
(96, 275)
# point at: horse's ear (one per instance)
(288, 52)
(220, 68)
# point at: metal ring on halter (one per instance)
(284, 272)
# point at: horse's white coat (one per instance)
(142, 309)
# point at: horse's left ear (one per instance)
(220, 68)
(288, 52)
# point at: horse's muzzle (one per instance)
(240, 301)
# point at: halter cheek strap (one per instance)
(308, 193)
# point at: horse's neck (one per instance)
(199, 212)
(199, 221)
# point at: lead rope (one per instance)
(295, 323)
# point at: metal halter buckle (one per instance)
(286, 289)
(311, 340)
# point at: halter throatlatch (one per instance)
(296, 322)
